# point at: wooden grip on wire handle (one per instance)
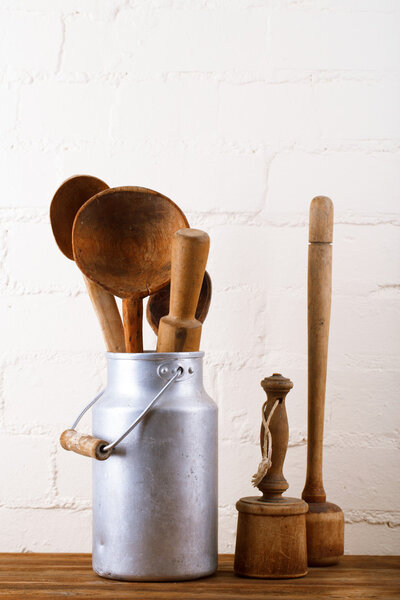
(132, 313)
(180, 331)
(108, 315)
(87, 445)
(319, 308)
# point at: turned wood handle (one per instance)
(132, 313)
(108, 315)
(319, 309)
(87, 445)
(180, 331)
(274, 484)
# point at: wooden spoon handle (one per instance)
(108, 315)
(319, 308)
(179, 331)
(132, 313)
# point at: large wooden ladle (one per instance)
(158, 304)
(122, 241)
(68, 199)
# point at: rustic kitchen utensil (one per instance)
(158, 304)
(179, 331)
(68, 199)
(325, 521)
(155, 485)
(271, 532)
(122, 241)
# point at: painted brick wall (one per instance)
(241, 111)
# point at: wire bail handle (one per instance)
(88, 445)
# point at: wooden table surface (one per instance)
(70, 576)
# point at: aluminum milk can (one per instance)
(155, 497)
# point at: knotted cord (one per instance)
(266, 461)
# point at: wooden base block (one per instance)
(325, 534)
(271, 538)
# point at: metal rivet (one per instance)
(164, 370)
(190, 370)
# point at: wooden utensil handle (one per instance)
(188, 263)
(87, 445)
(179, 331)
(132, 313)
(319, 308)
(108, 315)
(274, 484)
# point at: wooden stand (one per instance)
(271, 533)
(325, 521)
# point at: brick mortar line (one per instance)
(273, 76)
(18, 215)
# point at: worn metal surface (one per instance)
(155, 498)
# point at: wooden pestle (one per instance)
(325, 521)
(158, 304)
(271, 531)
(180, 331)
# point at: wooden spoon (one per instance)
(122, 240)
(67, 200)
(158, 304)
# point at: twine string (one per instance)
(266, 460)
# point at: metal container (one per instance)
(155, 497)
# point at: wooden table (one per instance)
(70, 576)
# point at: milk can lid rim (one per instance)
(150, 355)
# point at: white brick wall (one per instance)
(241, 111)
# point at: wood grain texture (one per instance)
(180, 331)
(271, 531)
(53, 576)
(319, 292)
(84, 444)
(321, 220)
(271, 538)
(274, 484)
(132, 314)
(68, 199)
(158, 304)
(325, 521)
(319, 308)
(121, 240)
(325, 533)
(108, 316)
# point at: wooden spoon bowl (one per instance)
(122, 241)
(68, 199)
(66, 202)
